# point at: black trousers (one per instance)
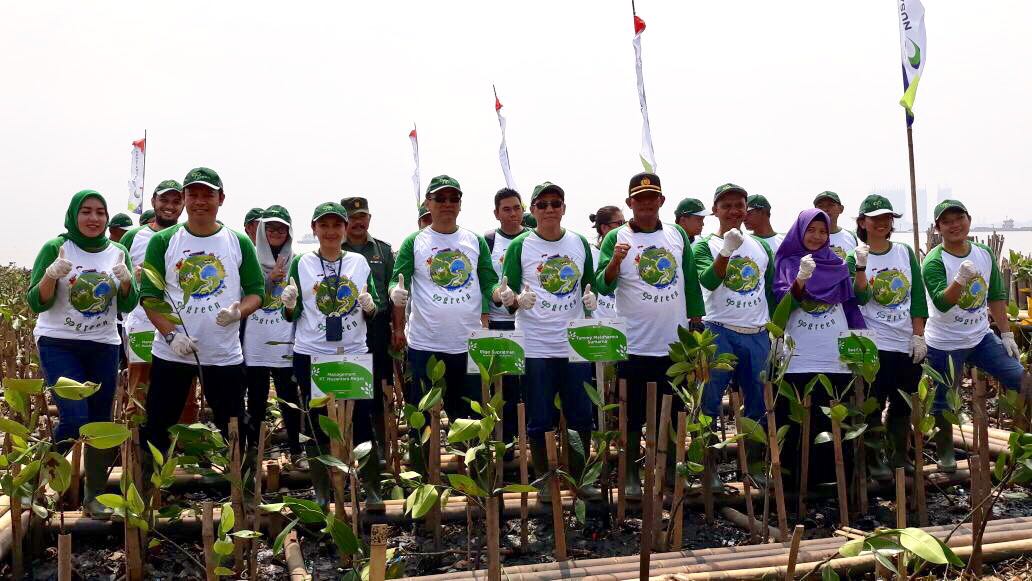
(223, 387)
(361, 419)
(897, 372)
(822, 456)
(258, 398)
(638, 371)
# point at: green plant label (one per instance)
(859, 352)
(140, 346)
(597, 340)
(344, 376)
(505, 347)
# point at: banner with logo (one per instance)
(597, 340)
(503, 149)
(505, 347)
(913, 45)
(345, 376)
(859, 352)
(137, 169)
(414, 138)
(647, 155)
(140, 347)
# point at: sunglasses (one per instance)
(544, 204)
(446, 198)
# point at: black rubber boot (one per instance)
(320, 479)
(96, 464)
(632, 478)
(369, 475)
(897, 435)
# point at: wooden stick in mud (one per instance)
(901, 511)
(236, 492)
(558, 525)
(434, 469)
(743, 467)
(676, 526)
(256, 516)
(623, 449)
(208, 536)
(977, 515)
(793, 552)
(64, 557)
(73, 488)
(659, 479)
(133, 541)
(390, 427)
(775, 461)
(521, 415)
(378, 553)
(804, 469)
(340, 501)
(349, 455)
(645, 544)
(840, 471)
(919, 481)
(859, 455)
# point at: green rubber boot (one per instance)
(539, 459)
(96, 464)
(369, 475)
(320, 479)
(896, 438)
(632, 477)
(944, 445)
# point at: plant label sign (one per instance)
(345, 376)
(505, 347)
(140, 347)
(859, 352)
(597, 340)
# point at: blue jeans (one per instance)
(546, 377)
(989, 356)
(82, 361)
(752, 352)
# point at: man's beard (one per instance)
(164, 223)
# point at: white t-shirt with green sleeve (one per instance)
(843, 243)
(450, 279)
(894, 295)
(557, 272)
(204, 274)
(657, 287)
(501, 243)
(743, 297)
(963, 325)
(135, 241)
(815, 328)
(86, 301)
(268, 335)
(329, 288)
(606, 302)
(773, 241)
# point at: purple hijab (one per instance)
(830, 282)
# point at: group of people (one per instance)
(235, 312)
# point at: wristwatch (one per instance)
(168, 337)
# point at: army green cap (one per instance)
(949, 205)
(168, 186)
(327, 208)
(830, 195)
(757, 202)
(203, 176)
(875, 205)
(120, 220)
(690, 207)
(729, 188)
(276, 213)
(644, 182)
(146, 217)
(355, 205)
(529, 221)
(443, 182)
(252, 215)
(423, 211)
(547, 188)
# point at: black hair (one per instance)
(861, 232)
(602, 216)
(506, 193)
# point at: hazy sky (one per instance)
(299, 103)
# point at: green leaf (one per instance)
(333, 462)
(557, 402)
(330, 428)
(104, 435)
(73, 390)
(26, 386)
(273, 507)
(435, 369)
(423, 500)
(227, 520)
(593, 394)
(307, 511)
(417, 420)
(782, 312)
(854, 432)
(223, 547)
(822, 438)
(518, 488)
(342, 535)
(245, 534)
(57, 471)
(112, 501)
(580, 508)
(466, 485)
(462, 430)
(13, 427)
(431, 399)
(827, 573)
(753, 430)
(281, 538)
(852, 548)
(839, 412)
(788, 392)
(826, 383)
(133, 500)
(223, 571)
(153, 275)
(923, 545)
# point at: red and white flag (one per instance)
(137, 170)
(503, 149)
(647, 155)
(415, 158)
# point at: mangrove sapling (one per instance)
(917, 547)
(168, 309)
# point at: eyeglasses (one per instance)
(616, 223)
(446, 199)
(545, 204)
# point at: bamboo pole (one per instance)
(743, 467)
(752, 525)
(901, 512)
(434, 468)
(804, 469)
(623, 448)
(236, 493)
(840, 471)
(793, 552)
(272, 482)
(659, 478)
(521, 416)
(340, 499)
(208, 536)
(349, 454)
(919, 481)
(256, 515)
(133, 544)
(390, 427)
(295, 559)
(494, 560)
(775, 461)
(378, 552)
(558, 526)
(676, 526)
(977, 515)
(859, 455)
(645, 543)
(64, 557)
(17, 536)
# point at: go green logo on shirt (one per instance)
(336, 295)
(271, 301)
(450, 269)
(743, 275)
(815, 308)
(558, 275)
(972, 298)
(840, 252)
(91, 292)
(891, 288)
(200, 275)
(657, 266)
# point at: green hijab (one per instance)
(71, 223)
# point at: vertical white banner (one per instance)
(137, 169)
(503, 149)
(414, 138)
(647, 155)
(913, 46)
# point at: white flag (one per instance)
(137, 169)
(503, 150)
(913, 48)
(648, 156)
(415, 157)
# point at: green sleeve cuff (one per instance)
(132, 298)
(46, 255)
(605, 256)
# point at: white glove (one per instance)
(365, 300)
(503, 294)
(60, 267)
(966, 272)
(121, 272)
(589, 299)
(288, 296)
(229, 315)
(732, 240)
(860, 254)
(1010, 345)
(918, 348)
(527, 298)
(399, 296)
(183, 346)
(806, 267)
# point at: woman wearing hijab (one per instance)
(268, 335)
(79, 282)
(823, 306)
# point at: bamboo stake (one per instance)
(804, 469)
(133, 548)
(17, 535)
(901, 512)
(390, 424)
(676, 526)
(500, 437)
(295, 559)
(494, 560)
(604, 475)
(645, 544)
(981, 421)
(775, 461)
(558, 526)
(919, 481)
(349, 453)
(793, 552)
(521, 416)
(208, 535)
(64, 557)
(662, 441)
(977, 515)
(236, 493)
(337, 477)
(74, 486)
(743, 467)
(378, 553)
(259, 463)
(272, 477)
(859, 455)
(434, 468)
(840, 471)
(622, 451)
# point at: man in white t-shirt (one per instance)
(842, 241)
(690, 215)
(757, 221)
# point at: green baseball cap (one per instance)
(757, 202)
(547, 188)
(690, 207)
(875, 205)
(329, 208)
(276, 213)
(203, 176)
(729, 188)
(252, 215)
(529, 221)
(644, 182)
(830, 195)
(120, 220)
(168, 186)
(355, 205)
(146, 217)
(423, 210)
(443, 182)
(949, 205)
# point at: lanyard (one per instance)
(336, 284)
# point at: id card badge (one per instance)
(334, 328)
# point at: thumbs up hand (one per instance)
(589, 299)
(527, 298)
(228, 316)
(400, 296)
(121, 272)
(503, 294)
(365, 300)
(60, 267)
(289, 295)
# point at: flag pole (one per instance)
(143, 173)
(913, 189)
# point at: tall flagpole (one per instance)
(913, 47)
(913, 186)
(143, 173)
